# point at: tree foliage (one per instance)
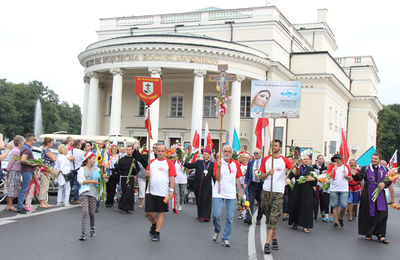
(388, 137)
(17, 107)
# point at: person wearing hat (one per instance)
(89, 179)
(340, 174)
(203, 185)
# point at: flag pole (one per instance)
(148, 141)
(272, 163)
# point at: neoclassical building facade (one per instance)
(184, 49)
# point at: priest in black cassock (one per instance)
(372, 216)
(301, 201)
(203, 185)
(123, 166)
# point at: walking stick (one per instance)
(148, 141)
(220, 156)
(272, 163)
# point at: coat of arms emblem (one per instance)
(148, 88)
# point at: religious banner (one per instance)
(275, 99)
(148, 89)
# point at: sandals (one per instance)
(305, 230)
(383, 240)
(11, 209)
(368, 238)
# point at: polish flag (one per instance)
(147, 123)
(208, 143)
(196, 140)
(344, 150)
(261, 124)
(393, 161)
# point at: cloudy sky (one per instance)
(40, 40)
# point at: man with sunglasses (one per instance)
(253, 185)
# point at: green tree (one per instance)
(17, 106)
(388, 136)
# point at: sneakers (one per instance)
(83, 237)
(152, 231)
(267, 249)
(226, 243)
(335, 226)
(341, 223)
(179, 207)
(275, 244)
(215, 236)
(22, 211)
(331, 219)
(66, 204)
(60, 204)
(156, 237)
(325, 219)
(240, 216)
(92, 232)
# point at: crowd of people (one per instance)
(273, 185)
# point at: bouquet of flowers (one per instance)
(303, 179)
(39, 163)
(189, 154)
(101, 192)
(325, 181)
(392, 176)
(244, 205)
(287, 175)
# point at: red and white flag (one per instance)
(196, 140)
(147, 123)
(393, 161)
(208, 143)
(261, 124)
(344, 150)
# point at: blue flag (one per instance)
(365, 159)
(235, 141)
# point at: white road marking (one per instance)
(263, 237)
(251, 240)
(12, 219)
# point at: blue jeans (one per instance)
(26, 180)
(339, 198)
(217, 205)
(76, 186)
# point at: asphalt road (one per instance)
(52, 234)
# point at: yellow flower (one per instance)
(99, 158)
(247, 204)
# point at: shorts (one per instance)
(142, 188)
(339, 198)
(272, 211)
(354, 197)
(154, 203)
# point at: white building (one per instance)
(257, 44)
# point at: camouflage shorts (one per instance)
(272, 211)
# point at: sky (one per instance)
(40, 40)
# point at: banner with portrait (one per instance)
(275, 99)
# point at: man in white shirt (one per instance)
(227, 172)
(340, 175)
(76, 163)
(272, 207)
(161, 174)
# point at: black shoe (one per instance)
(22, 211)
(152, 231)
(97, 210)
(258, 222)
(109, 205)
(267, 249)
(83, 237)
(341, 223)
(335, 226)
(156, 237)
(275, 244)
(247, 221)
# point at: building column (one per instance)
(155, 72)
(93, 109)
(197, 103)
(116, 101)
(234, 120)
(85, 106)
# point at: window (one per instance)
(245, 107)
(176, 108)
(210, 106)
(142, 108)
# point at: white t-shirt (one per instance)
(62, 164)
(79, 157)
(281, 163)
(181, 177)
(160, 171)
(339, 183)
(243, 168)
(230, 171)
